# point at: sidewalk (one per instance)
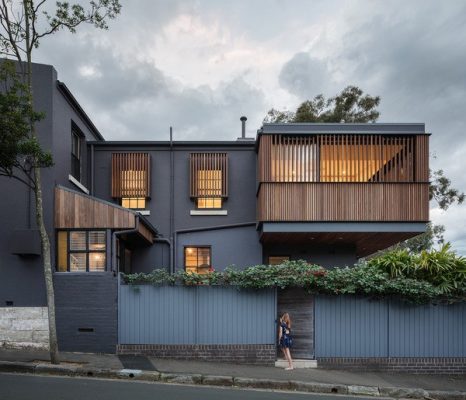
(199, 372)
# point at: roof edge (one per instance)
(74, 103)
(344, 128)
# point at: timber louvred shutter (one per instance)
(130, 175)
(208, 175)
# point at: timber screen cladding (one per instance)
(343, 158)
(343, 177)
(130, 175)
(208, 175)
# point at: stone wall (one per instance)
(24, 327)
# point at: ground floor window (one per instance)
(277, 260)
(81, 251)
(197, 259)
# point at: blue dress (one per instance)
(285, 341)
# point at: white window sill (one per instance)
(73, 180)
(208, 212)
(144, 212)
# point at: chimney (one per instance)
(243, 131)
(243, 120)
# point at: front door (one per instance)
(300, 306)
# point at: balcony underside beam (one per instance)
(367, 238)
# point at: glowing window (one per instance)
(209, 202)
(138, 203)
(197, 259)
(81, 251)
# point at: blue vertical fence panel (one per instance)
(147, 313)
(351, 326)
(228, 315)
(347, 326)
(195, 315)
(427, 331)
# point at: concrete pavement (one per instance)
(208, 373)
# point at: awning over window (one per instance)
(75, 210)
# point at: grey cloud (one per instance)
(138, 101)
(305, 76)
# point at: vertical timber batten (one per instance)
(328, 177)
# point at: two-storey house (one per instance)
(326, 193)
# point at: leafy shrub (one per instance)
(419, 278)
(442, 268)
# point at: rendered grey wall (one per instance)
(196, 315)
(237, 247)
(326, 256)
(240, 205)
(21, 277)
(351, 326)
(86, 301)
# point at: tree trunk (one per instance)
(44, 238)
(45, 245)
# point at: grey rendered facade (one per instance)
(286, 167)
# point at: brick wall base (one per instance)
(417, 365)
(259, 354)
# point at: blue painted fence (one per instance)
(195, 315)
(350, 326)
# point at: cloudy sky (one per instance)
(200, 65)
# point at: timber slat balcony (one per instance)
(343, 177)
(338, 201)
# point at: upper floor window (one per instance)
(131, 179)
(81, 251)
(208, 179)
(76, 151)
(197, 259)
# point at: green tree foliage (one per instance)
(441, 191)
(23, 25)
(351, 105)
(20, 152)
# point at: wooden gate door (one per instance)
(300, 306)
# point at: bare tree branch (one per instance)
(9, 29)
(18, 179)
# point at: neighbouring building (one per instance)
(326, 193)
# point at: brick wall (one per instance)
(24, 327)
(259, 354)
(86, 312)
(421, 365)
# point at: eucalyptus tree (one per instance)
(23, 26)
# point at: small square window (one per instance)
(78, 262)
(197, 259)
(77, 240)
(97, 261)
